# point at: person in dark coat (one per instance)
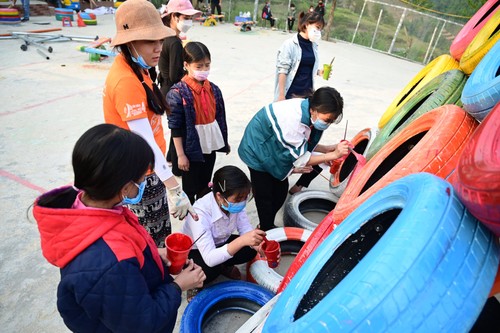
(113, 278)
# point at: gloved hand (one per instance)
(179, 204)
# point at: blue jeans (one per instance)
(26, 8)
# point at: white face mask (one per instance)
(184, 25)
(201, 75)
(313, 34)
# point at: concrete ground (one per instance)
(45, 106)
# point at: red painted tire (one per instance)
(259, 272)
(321, 232)
(435, 139)
(478, 173)
(481, 44)
(361, 143)
(472, 27)
(431, 143)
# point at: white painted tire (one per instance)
(260, 272)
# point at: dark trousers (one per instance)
(290, 23)
(195, 181)
(271, 20)
(242, 256)
(270, 194)
(307, 178)
(213, 6)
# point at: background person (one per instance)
(112, 276)
(133, 102)
(222, 213)
(216, 4)
(178, 16)
(320, 8)
(279, 140)
(268, 15)
(197, 122)
(291, 17)
(296, 66)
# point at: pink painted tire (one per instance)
(291, 241)
(471, 28)
(477, 181)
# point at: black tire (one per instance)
(319, 202)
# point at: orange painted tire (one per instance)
(437, 66)
(477, 179)
(432, 144)
(472, 27)
(291, 240)
(361, 143)
(435, 139)
(481, 44)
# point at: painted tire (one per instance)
(472, 27)
(87, 16)
(9, 12)
(311, 201)
(437, 66)
(222, 296)
(481, 44)
(361, 143)
(318, 235)
(446, 88)
(482, 89)
(390, 268)
(291, 241)
(90, 22)
(255, 323)
(478, 177)
(432, 143)
(435, 139)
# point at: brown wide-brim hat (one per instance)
(139, 20)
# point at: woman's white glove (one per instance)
(179, 203)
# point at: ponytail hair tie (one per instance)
(210, 185)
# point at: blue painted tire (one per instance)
(411, 258)
(482, 90)
(209, 299)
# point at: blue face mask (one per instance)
(140, 61)
(234, 207)
(138, 197)
(320, 124)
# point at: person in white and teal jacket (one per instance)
(279, 140)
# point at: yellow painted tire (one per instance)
(481, 44)
(438, 66)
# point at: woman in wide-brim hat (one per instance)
(132, 101)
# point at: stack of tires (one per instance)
(412, 242)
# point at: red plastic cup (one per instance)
(272, 250)
(178, 247)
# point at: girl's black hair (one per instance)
(105, 158)
(195, 52)
(168, 19)
(327, 100)
(156, 101)
(230, 180)
(309, 18)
